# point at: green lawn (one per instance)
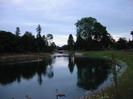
(125, 82)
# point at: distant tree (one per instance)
(10, 42)
(45, 40)
(17, 31)
(130, 44)
(40, 43)
(106, 41)
(64, 47)
(70, 42)
(28, 42)
(49, 36)
(7, 41)
(53, 46)
(38, 29)
(122, 43)
(132, 35)
(49, 39)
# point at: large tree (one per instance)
(93, 33)
(85, 27)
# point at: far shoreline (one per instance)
(18, 58)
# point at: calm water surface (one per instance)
(70, 75)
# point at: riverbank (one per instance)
(125, 82)
(16, 58)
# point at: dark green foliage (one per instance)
(7, 41)
(40, 44)
(70, 42)
(130, 44)
(26, 43)
(64, 47)
(132, 35)
(80, 43)
(92, 35)
(122, 43)
(85, 27)
(53, 45)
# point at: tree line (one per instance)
(92, 35)
(10, 42)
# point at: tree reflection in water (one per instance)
(71, 63)
(11, 73)
(91, 72)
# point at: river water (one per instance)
(72, 76)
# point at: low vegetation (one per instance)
(125, 82)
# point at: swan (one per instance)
(60, 94)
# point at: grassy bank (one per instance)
(14, 58)
(125, 82)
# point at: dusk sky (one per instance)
(58, 17)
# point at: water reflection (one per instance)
(11, 73)
(71, 63)
(91, 72)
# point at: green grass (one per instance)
(125, 84)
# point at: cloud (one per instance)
(11, 2)
(18, 1)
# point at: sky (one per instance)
(58, 17)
